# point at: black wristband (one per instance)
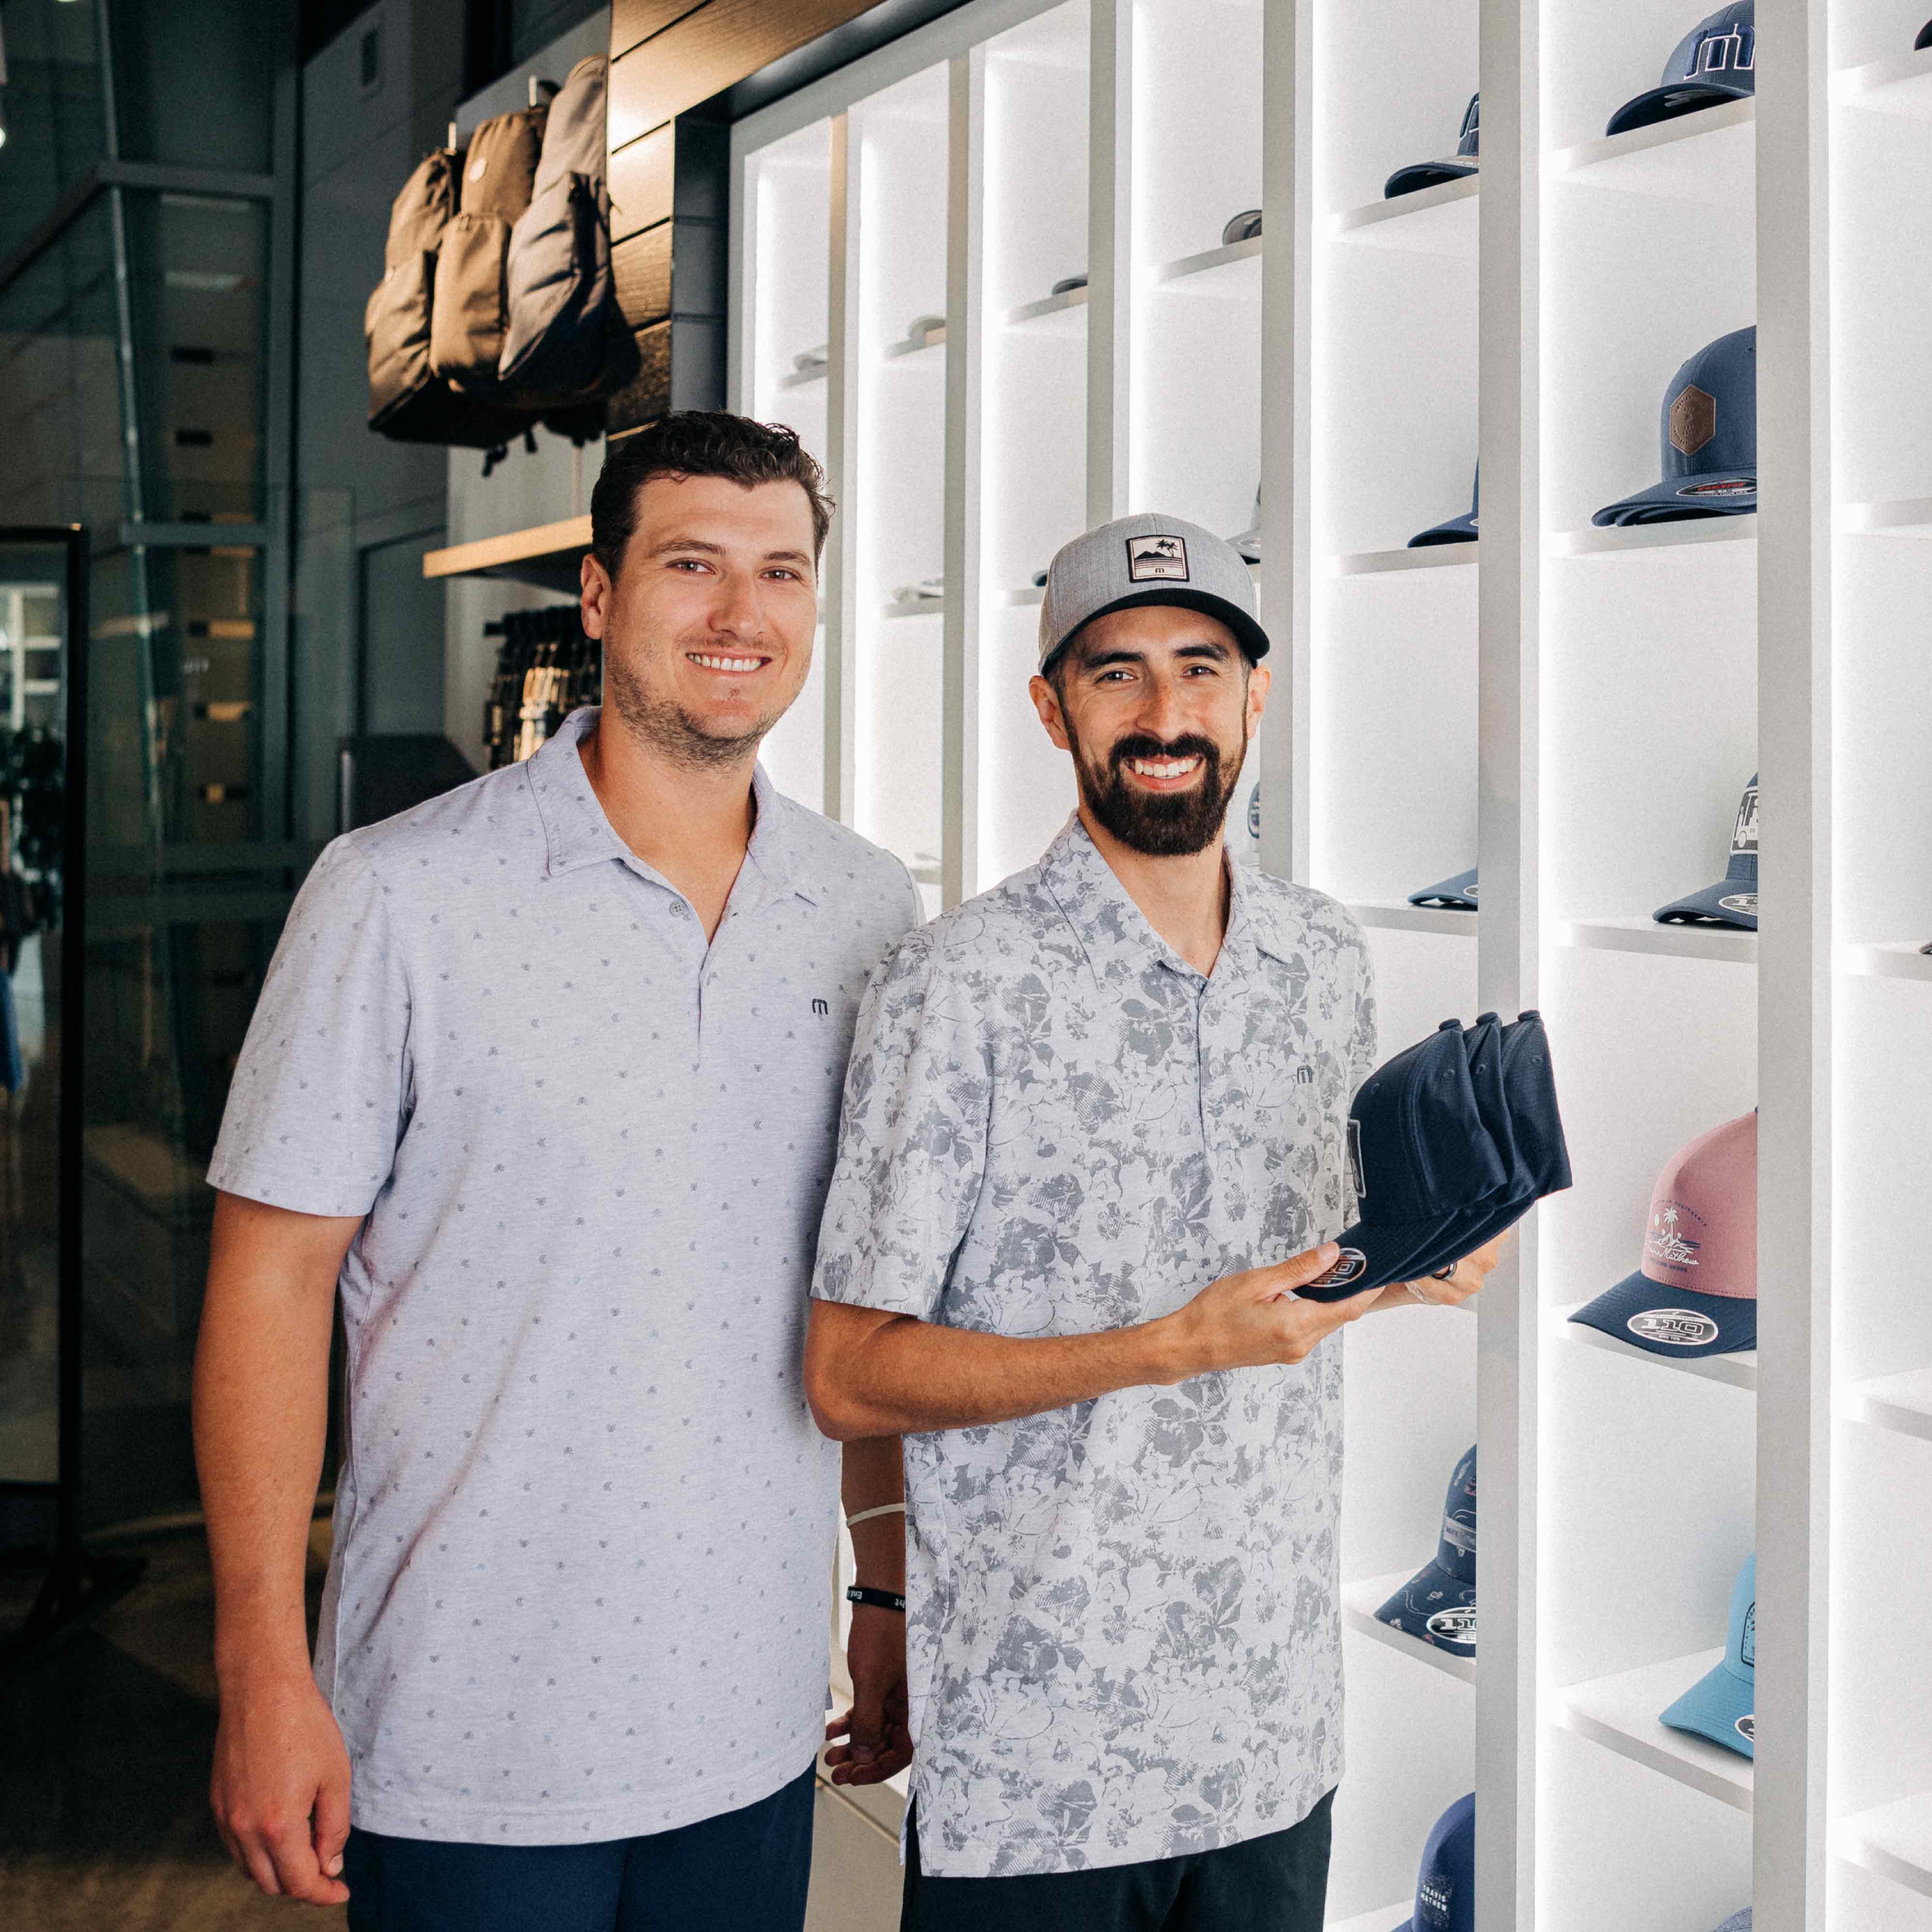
(880, 1599)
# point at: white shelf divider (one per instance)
(1903, 1403)
(1233, 269)
(1737, 1371)
(1620, 1714)
(928, 607)
(1708, 158)
(802, 379)
(1891, 959)
(1399, 916)
(1438, 220)
(1900, 84)
(1653, 541)
(1359, 1602)
(1894, 517)
(1634, 933)
(1429, 557)
(1894, 1839)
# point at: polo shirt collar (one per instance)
(1113, 931)
(576, 832)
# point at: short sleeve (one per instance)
(1362, 1044)
(320, 1093)
(912, 1139)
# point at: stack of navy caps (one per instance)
(1722, 1705)
(1707, 440)
(1456, 529)
(1445, 1887)
(1457, 894)
(1450, 1143)
(1438, 1604)
(1732, 901)
(1716, 61)
(1420, 175)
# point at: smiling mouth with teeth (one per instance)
(1164, 768)
(711, 662)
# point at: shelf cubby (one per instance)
(1620, 1713)
(1734, 1371)
(1361, 1600)
(1438, 220)
(1708, 157)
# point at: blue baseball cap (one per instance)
(1732, 901)
(1721, 1705)
(1707, 440)
(1432, 174)
(1716, 61)
(1738, 1921)
(1925, 39)
(1438, 1604)
(1515, 1086)
(1457, 529)
(1419, 1155)
(1445, 1888)
(1458, 894)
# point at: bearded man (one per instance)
(1093, 1140)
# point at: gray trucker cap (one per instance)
(1148, 559)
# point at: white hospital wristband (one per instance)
(866, 1515)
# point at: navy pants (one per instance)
(743, 1871)
(1274, 1883)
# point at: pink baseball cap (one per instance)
(1695, 1291)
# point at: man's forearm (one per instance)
(261, 1418)
(873, 1474)
(910, 1375)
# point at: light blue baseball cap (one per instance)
(1721, 1705)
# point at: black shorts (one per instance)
(1275, 1883)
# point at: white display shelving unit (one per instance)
(1577, 708)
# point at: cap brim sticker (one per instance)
(1675, 1327)
(1747, 1727)
(1456, 1626)
(1739, 902)
(1721, 486)
(1161, 559)
(1352, 1264)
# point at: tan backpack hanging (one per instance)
(470, 315)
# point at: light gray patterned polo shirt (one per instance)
(584, 1527)
(1124, 1640)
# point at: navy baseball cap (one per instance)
(1438, 1604)
(1925, 39)
(1721, 1705)
(1707, 440)
(1739, 1922)
(1732, 901)
(1457, 529)
(1419, 1154)
(1445, 1888)
(1458, 894)
(1515, 1087)
(1433, 174)
(1695, 1291)
(1716, 61)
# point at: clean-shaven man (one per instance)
(544, 1084)
(1093, 1140)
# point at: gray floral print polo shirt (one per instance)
(1124, 1640)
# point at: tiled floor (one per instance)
(105, 1739)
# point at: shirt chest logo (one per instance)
(820, 1007)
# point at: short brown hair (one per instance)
(699, 442)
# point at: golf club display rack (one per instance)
(1578, 709)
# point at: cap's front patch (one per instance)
(1747, 1639)
(1743, 832)
(1670, 1243)
(1455, 1627)
(1676, 1328)
(1156, 559)
(1721, 486)
(1693, 419)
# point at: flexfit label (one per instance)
(1748, 1726)
(1693, 419)
(1740, 902)
(1455, 1626)
(1156, 559)
(1350, 1267)
(1355, 1161)
(1676, 1328)
(1721, 486)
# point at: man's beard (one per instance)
(670, 729)
(1163, 825)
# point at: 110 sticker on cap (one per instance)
(1675, 1327)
